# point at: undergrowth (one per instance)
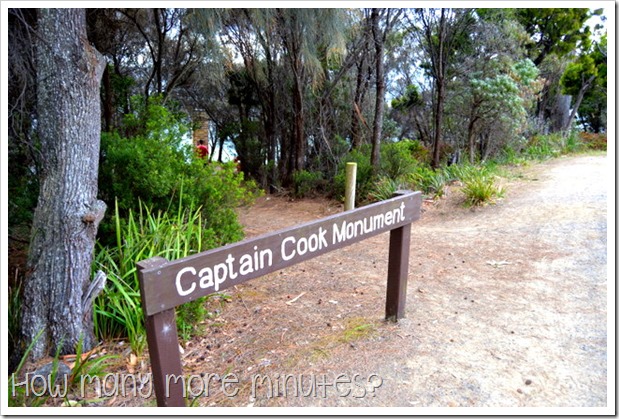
(143, 235)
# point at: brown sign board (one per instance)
(183, 280)
(167, 284)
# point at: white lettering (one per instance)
(246, 265)
(263, 256)
(229, 261)
(302, 246)
(206, 278)
(179, 287)
(284, 255)
(322, 241)
(339, 235)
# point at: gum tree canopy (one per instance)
(58, 288)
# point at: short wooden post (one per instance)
(397, 272)
(351, 182)
(165, 358)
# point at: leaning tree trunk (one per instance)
(581, 94)
(57, 293)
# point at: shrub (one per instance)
(593, 141)
(384, 188)
(153, 166)
(396, 159)
(307, 183)
(361, 156)
(479, 187)
(429, 182)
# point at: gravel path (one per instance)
(506, 305)
(523, 320)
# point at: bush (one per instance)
(384, 188)
(307, 183)
(593, 141)
(429, 182)
(396, 159)
(479, 187)
(168, 203)
(361, 156)
(153, 166)
(541, 147)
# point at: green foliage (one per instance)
(479, 186)
(145, 234)
(93, 365)
(509, 156)
(219, 189)
(168, 203)
(397, 159)
(576, 73)
(138, 169)
(384, 188)
(307, 183)
(410, 98)
(558, 31)
(505, 98)
(147, 165)
(541, 147)
(361, 156)
(429, 182)
(153, 166)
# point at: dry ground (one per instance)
(506, 307)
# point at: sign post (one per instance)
(165, 285)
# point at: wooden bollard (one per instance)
(351, 182)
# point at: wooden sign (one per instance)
(167, 284)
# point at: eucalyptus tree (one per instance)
(171, 51)
(554, 33)
(382, 23)
(583, 74)
(494, 85)
(302, 32)
(441, 32)
(58, 291)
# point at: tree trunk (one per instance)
(581, 94)
(438, 122)
(65, 222)
(441, 72)
(380, 91)
(471, 135)
(560, 112)
(299, 120)
(108, 100)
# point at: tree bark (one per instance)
(441, 69)
(377, 129)
(66, 219)
(581, 94)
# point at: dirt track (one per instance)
(506, 306)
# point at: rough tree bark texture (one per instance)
(65, 221)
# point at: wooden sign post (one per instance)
(165, 285)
